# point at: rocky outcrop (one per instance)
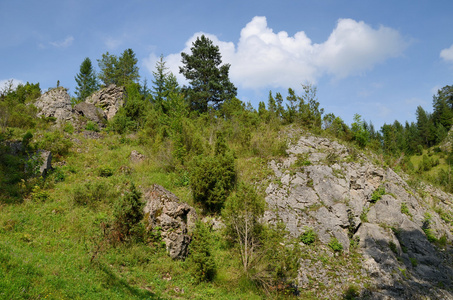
(55, 103)
(342, 194)
(91, 112)
(165, 212)
(45, 157)
(109, 99)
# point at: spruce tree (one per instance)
(209, 79)
(86, 80)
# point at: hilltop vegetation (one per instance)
(79, 232)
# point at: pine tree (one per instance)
(86, 80)
(208, 78)
(120, 71)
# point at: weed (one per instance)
(377, 194)
(405, 209)
(308, 237)
(392, 247)
(413, 261)
(335, 245)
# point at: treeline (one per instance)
(187, 117)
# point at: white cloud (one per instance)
(112, 43)
(263, 58)
(447, 54)
(63, 44)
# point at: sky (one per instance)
(376, 58)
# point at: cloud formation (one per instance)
(263, 58)
(63, 44)
(447, 54)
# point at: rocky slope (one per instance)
(395, 239)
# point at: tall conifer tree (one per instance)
(86, 80)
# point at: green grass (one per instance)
(52, 247)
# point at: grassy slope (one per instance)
(51, 247)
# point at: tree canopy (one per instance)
(121, 70)
(210, 84)
(86, 80)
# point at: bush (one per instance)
(201, 259)
(128, 212)
(377, 194)
(90, 193)
(335, 245)
(212, 179)
(308, 237)
(91, 126)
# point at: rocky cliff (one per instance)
(395, 237)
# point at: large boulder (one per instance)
(110, 99)
(174, 218)
(55, 103)
(91, 112)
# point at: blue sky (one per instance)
(378, 58)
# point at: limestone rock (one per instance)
(175, 219)
(109, 99)
(55, 103)
(91, 112)
(136, 157)
(46, 158)
(332, 194)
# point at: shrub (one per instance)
(308, 237)
(392, 247)
(201, 258)
(55, 142)
(405, 209)
(128, 212)
(212, 179)
(105, 171)
(91, 126)
(90, 193)
(335, 245)
(377, 194)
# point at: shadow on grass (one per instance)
(114, 281)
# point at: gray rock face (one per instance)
(332, 194)
(55, 103)
(91, 112)
(46, 158)
(110, 99)
(163, 209)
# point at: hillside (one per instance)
(119, 197)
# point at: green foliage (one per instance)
(241, 215)
(128, 212)
(405, 209)
(308, 237)
(427, 228)
(121, 70)
(377, 194)
(15, 108)
(212, 178)
(335, 245)
(105, 171)
(86, 81)
(54, 142)
(201, 259)
(392, 247)
(209, 80)
(359, 132)
(92, 126)
(90, 193)
(413, 261)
